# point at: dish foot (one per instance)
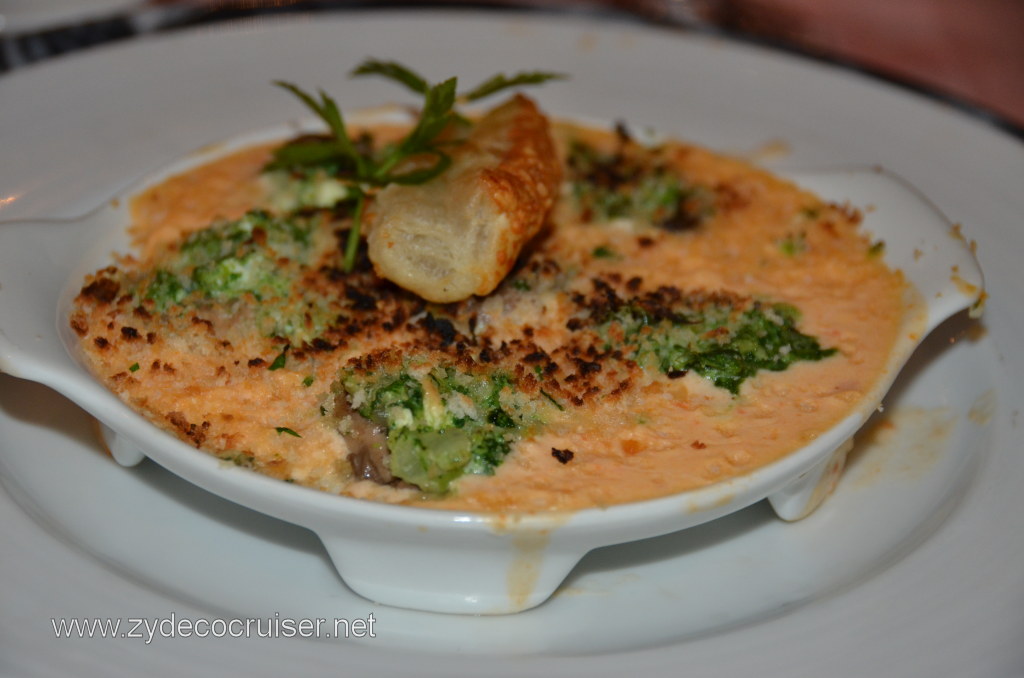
(800, 498)
(124, 452)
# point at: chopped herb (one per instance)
(604, 252)
(285, 429)
(308, 381)
(279, 361)
(167, 288)
(793, 244)
(552, 400)
(231, 258)
(134, 367)
(521, 285)
(238, 459)
(877, 248)
(258, 257)
(722, 339)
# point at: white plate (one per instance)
(908, 570)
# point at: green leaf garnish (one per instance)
(285, 429)
(310, 154)
(422, 176)
(395, 71)
(329, 112)
(134, 367)
(499, 82)
(352, 242)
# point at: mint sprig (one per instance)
(395, 71)
(499, 82)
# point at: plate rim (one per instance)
(1, 82)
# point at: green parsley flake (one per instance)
(793, 244)
(279, 361)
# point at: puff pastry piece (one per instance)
(460, 233)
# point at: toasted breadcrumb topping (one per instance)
(247, 339)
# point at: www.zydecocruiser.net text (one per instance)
(148, 629)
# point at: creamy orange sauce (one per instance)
(186, 202)
(664, 436)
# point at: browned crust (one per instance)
(524, 184)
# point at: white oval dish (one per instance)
(465, 562)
